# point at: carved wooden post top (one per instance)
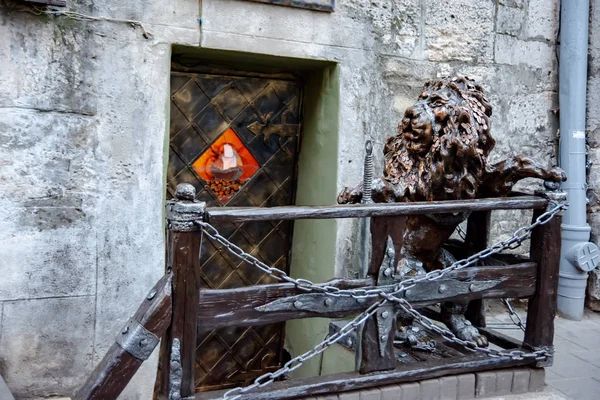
(184, 210)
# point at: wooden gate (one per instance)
(235, 139)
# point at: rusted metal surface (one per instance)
(318, 5)
(235, 139)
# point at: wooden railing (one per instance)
(177, 316)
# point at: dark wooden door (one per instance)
(236, 138)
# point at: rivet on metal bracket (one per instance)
(151, 294)
(384, 322)
(137, 340)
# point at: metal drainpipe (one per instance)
(578, 255)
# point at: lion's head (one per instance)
(442, 143)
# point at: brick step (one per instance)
(457, 387)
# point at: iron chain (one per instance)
(428, 324)
(518, 237)
(514, 317)
(296, 362)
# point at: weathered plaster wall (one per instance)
(593, 141)
(83, 119)
(82, 129)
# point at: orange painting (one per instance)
(226, 154)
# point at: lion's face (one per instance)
(442, 142)
(417, 129)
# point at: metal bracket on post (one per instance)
(176, 372)
(375, 350)
(137, 340)
(555, 197)
(182, 213)
(385, 315)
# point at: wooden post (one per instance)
(545, 250)
(134, 344)
(183, 257)
(478, 233)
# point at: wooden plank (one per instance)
(117, 367)
(443, 350)
(184, 249)
(344, 382)
(478, 233)
(241, 214)
(500, 339)
(223, 307)
(541, 310)
(220, 308)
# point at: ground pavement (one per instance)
(575, 373)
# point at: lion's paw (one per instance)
(470, 333)
(463, 329)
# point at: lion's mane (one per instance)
(459, 114)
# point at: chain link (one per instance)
(296, 362)
(518, 237)
(514, 317)
(431, 326)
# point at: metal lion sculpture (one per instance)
(440, 153)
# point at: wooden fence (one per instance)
(176, 308)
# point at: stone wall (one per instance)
(84, 120)
(82, 130)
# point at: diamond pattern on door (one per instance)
(235, 139)
(226, 166)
